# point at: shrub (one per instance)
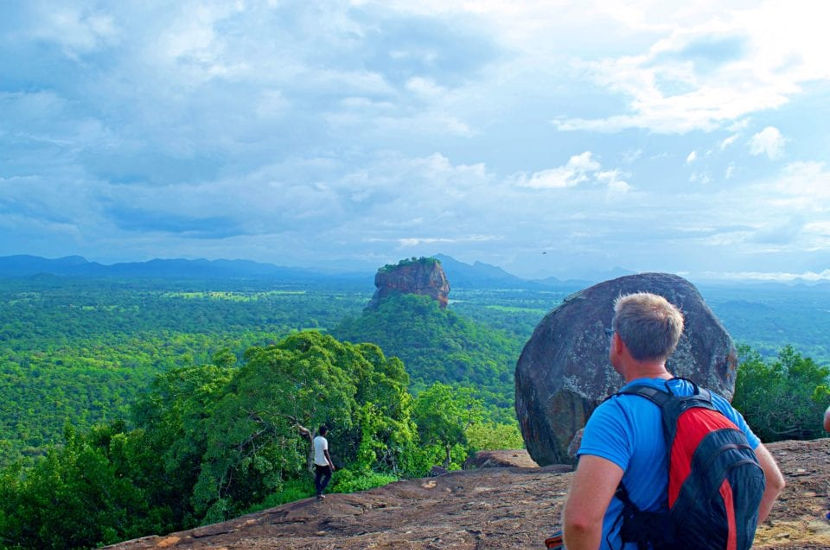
(292, 490)
(346, 481)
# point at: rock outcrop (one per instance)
(563, 373)
(423, 276)
(491, 508)
(500, 459)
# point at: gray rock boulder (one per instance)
(563, 372)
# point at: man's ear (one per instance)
(618, 343)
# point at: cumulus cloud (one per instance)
(712, 72)
(369, 129)
(612, 178)
(579, 169)
(768, 141)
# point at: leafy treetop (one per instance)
(410, 261)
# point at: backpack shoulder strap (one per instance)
(661, 398)
(658, 397)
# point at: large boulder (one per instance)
(563, 372)
(423, 276)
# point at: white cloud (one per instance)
(714, 71)
(425, 87)
(801, 186)
(77, 31)
(577, 170)
(728, 141)
(611, 178)
(356, 129)
(700, 177)
(417, 241)
(768, 141)
(772, 276)
(783, 216)
(631, 156)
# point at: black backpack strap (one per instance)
(672, 405)
(648, 530)
(658, 397)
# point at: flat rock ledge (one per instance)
(507, 507)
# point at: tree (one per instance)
(172, 418)
(258, 435)
(491, 435)
(75, 497)
(783, 399)
(443, 414)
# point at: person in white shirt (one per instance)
(323, 466)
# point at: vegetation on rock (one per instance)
(429, 262)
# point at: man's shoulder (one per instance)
(616, 408)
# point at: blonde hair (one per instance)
(649, 325)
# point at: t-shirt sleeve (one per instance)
(607, 435)
(737, 418)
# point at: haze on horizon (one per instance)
(549, 138)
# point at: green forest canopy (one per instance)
(211, 442)
(177, 371)
(78, 350)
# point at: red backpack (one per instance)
(715, 480)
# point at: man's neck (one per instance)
(647, 370)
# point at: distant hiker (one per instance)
(323, 466)
(827, 420)
(623, 458)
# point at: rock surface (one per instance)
(563, 372)
(503, 508)
(423, 276)
(499, 459)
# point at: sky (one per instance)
(550, 138)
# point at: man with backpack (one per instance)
(663, 463)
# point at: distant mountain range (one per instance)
(77, 266)
(477, 275)
(460, 274)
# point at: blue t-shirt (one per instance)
(627, 430)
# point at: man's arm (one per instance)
(594, 483)
(774, 479)
(331, 464)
